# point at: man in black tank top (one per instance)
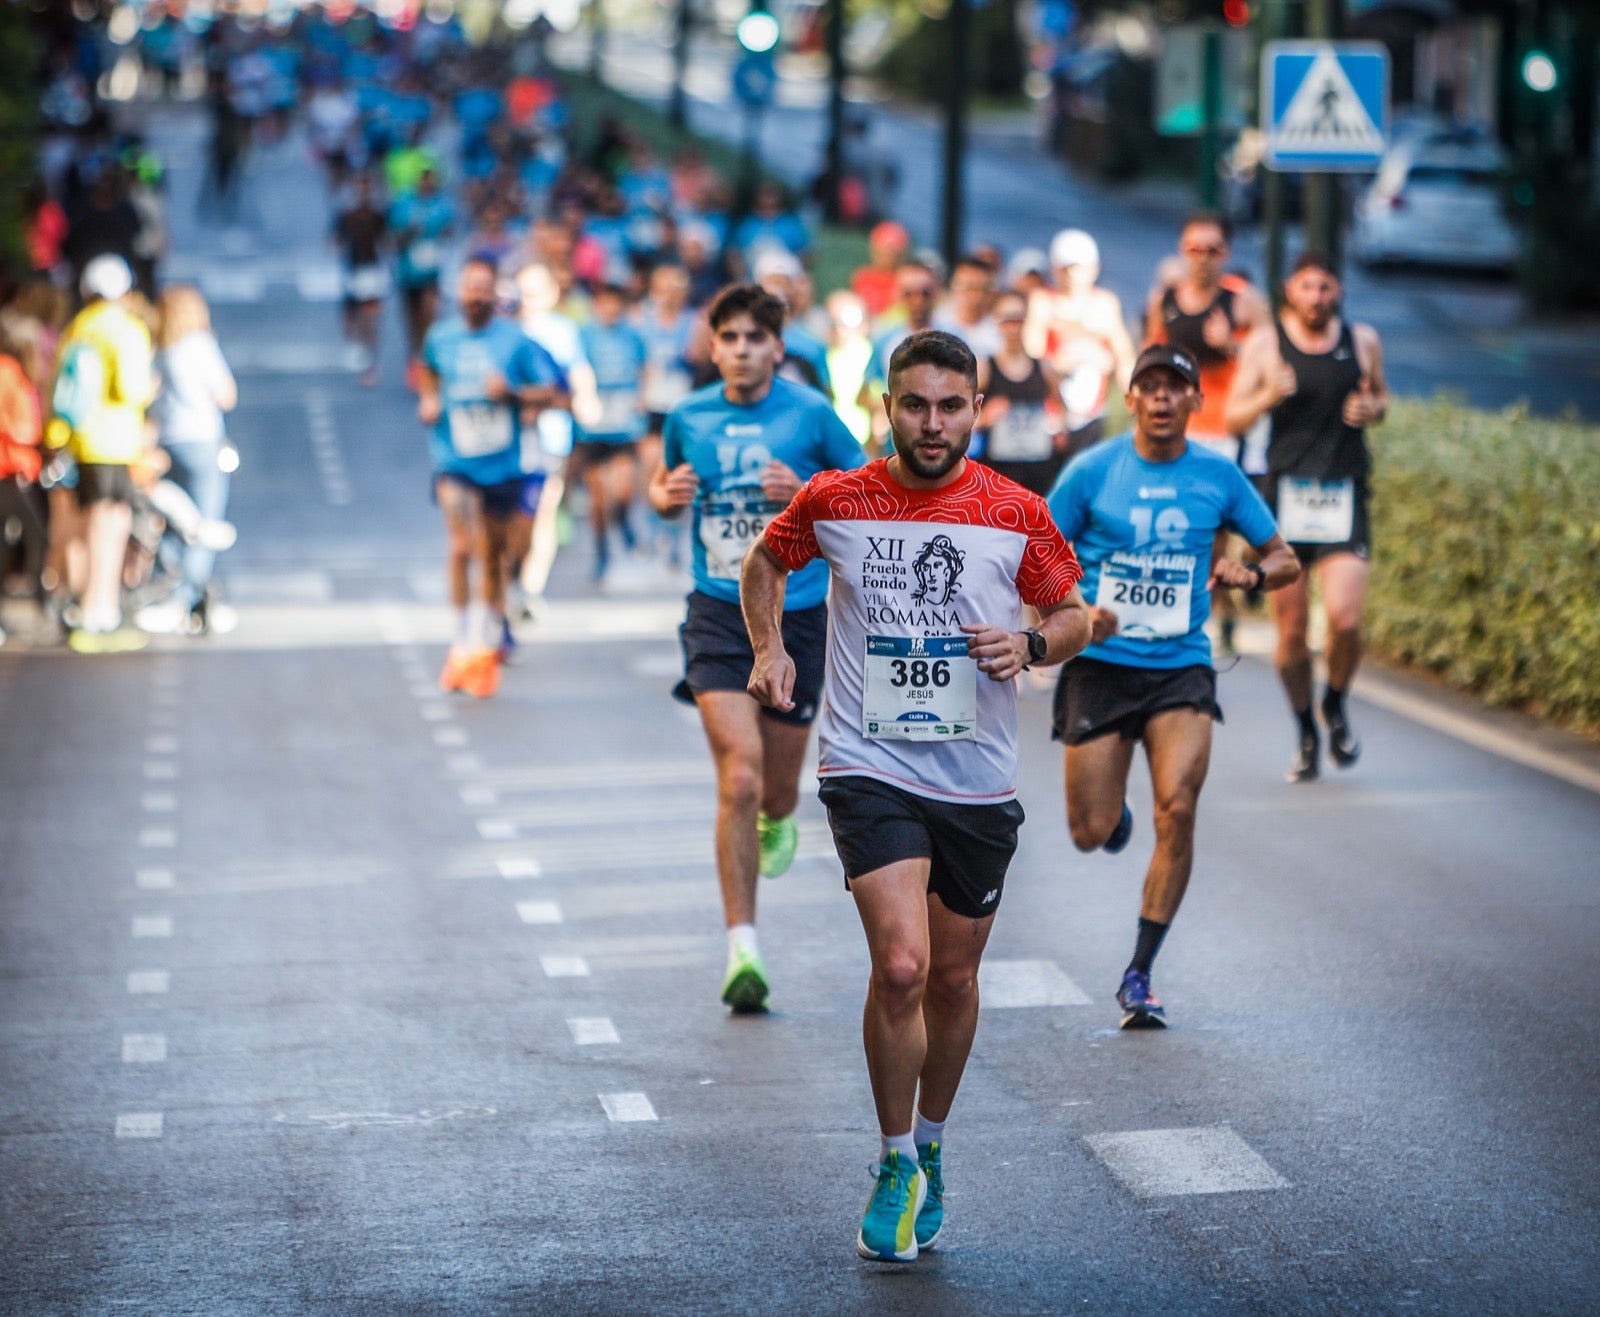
(1320, 380)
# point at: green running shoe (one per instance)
(779, 839)
(745, 987)
(888, 1230)
(930, 1219)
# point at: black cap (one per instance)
(1162, 354)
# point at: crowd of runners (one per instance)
(901, 495)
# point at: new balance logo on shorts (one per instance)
(989, 898)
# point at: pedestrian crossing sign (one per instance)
(1325, 104)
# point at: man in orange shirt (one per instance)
(877, 282)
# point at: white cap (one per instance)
(108, 277)
(777, 261)
(1073, 247)
(1030, 260)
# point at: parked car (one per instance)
(1437, 200)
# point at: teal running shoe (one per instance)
(745, 987)
(779, 840)
(930, 1219)
(888, 1230)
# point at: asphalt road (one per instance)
(320, 993)
(1460, 334)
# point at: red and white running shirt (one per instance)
(902, 701)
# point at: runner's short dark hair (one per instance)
(748, 299)
(1223, 223)
(934, 347)
(1310, 259)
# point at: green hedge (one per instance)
(1486, 555)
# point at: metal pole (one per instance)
(836, 74)
(955, 133)
(677, 108)
(1210, 115)
(1322, 192)
(1275, 25)
(597, 40)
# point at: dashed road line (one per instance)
(152, 926)
(623, 1108)
(1171, 1162)
(325, 449)
(497, 829)
(149, 982)
(519, 867)
(161, 745)
(564, 967)
(158, 802)
(160, 770)
(158, 838)
(1013, 984)
(539, 912)
(449, 737)
(154, 880)
(593, 1031)
(144, 1048)
(140, 1125)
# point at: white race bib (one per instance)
(730, 522)
(665, 387)
(1316, 511)
(619, 412)
(1224, 445)
(1083, 390)
(480, 428)
(919, 688)
(1020, 435)
(425, 255)
(1151, 593)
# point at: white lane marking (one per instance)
(319, 283)
(152, 926)
(154, 880)
(149, 982)
(593, 1030)
(428, 586)
(1464, 727)
(564, 967)
(1207, 1160)
(280, 587)
(462, 765)
(1012, 984)
(435, 713)
(161, 770)
(168, 745)
(159, 802)
(232, 285)
(424, 690)
(140, 1125)
(449, 736)
(325, 448)
(480, 796)
(624, 1107)
(538, 912)
(158, 838)
(698, 805)
(143, 1048)
(497, 829)
(611, 774)
(349, 1120)
(518, 867)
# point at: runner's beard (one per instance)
(923, 470)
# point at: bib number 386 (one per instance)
(919, 688)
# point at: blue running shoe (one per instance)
(888, 1230)
(930, 1220)
(508, 642)
(1120, 834)
(1140, 1009)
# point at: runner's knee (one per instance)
(900, 978)
(1175, 814)
(953, 986)
(739, 782)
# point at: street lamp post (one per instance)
(955, 132)
(836, 72)
(677, 109)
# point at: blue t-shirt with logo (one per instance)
(1143, 532)
(422, 256)
(476, 436)
(729, 444)
(617, 353)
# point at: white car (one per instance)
(1437, 200)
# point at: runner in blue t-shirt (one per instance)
(1142, 512)
(420, 223)
(606, 453)
(477, 374)
(737, 452)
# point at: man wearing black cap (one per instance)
(1142, 512)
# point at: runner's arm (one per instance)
(672, 489)
(1261, 382)
(1370, 403)
(762, 583)
(1279, 567)
(429, 408)
(1002, 654)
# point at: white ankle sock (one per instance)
(927, 1131)
(742, 937)
(901, 1143)
(463, 628)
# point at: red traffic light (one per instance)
(1236, 13)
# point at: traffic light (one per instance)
(1236, 13)
(757, 31)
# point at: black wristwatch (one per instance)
(1038, 647)
(1261, 575)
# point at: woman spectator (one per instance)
(197, 390)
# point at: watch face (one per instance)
(1037, 646)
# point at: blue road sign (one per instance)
(1325, 104)
(754, 80)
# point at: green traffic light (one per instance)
(757, 32)
(1539, 72)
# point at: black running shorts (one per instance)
(497, 501)
(717, 655)
(1095, 699)
(105, 482)
(1359, 543)
(970, 846)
